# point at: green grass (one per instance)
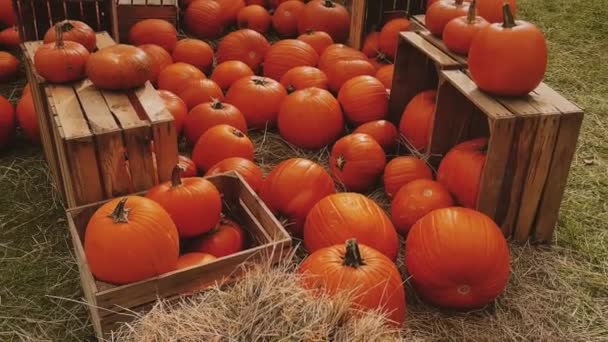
(556, 293)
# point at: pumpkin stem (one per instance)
(508, 19)
(310, 32)
(352, 257)
(472, 12)
(459, 2)
(59, 36)
(290, 89)
(329, 3)
(217, 104)
(176, 176)
(238, 133)
(120, 213)
(66, 25)
(340, 162)
(259, 81)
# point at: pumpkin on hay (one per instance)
(372, 279)
(246, 94)
(254, 17)
(402, 170)
(417, 120)
(194, 52)
(343, 71)
(159, 57)
(135, 233)
(327, 16)
(208, 114)
(302, 77)
(457, 258)
(203, 19)
(199, 91)
(61, 61)
(363, 99)
(226, 73)
(285, 18)
(287, 54)
(176, 76)
(384, 132)
(357, 161)
(9, 37)
(218, 143)
(75, 31)
(28, 118)
(226, 238)
(441, 12)
(7, 122)
(247, 46)
(387, 41)
(153, 31)
(119, 67)
(459, 32)
(9, 66)
(319, 40)
(250, 172)
(176, 107)
(187, 165)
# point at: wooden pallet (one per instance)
(98, 144)
(129, 12)
(110, 305)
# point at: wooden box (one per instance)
(35, 17)
(110, 305)
(129, 12)
(101, 144)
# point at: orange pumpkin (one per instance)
(7, 122)
(459, 32)
(441, 12)
(154, 31)
(176, 107)
(199, 91)
(491, 10)
(285, 18)
(363, 99)
(254, 17)
(61, 61)
(218, 143)
(208, 114)
(371, 44)
(187, 165)
(343, 71)
(508, 59)
(194, 259)
(402, 170)
(203, 19)
(372, 279)
(75, 31)
(319, 40)
(385, 75)
(246, 93)
(384, 132)
(338, 52)
(119, 67)
(176, 76)
(262, 3)
(302, 77)
(9, 66)
(7, 13)
(461, 169)
(135, 233)
(387, 42)
(327, 16)
(357, 161)
(9, 37)
(225, 239)
(349, 215)
(417, 120)
(229, 10)
(287, 54)
(27, 118)
(310, 118)
(245, 167)
(159, 57)
(293, 187)
(457, 258)
(194, 203)
(247, 46)
(225, 74)
(194, 52)
(416, 199)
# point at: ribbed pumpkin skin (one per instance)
(154, 31)
(226, 73)
(319, 40)
(338, 52)
(343, 71)
(389, 34)
(402, 170)
(61, 62)
(7, 122)
(385, 75)
(384, 132)
(119, 67)
(218, 143)
(246, 168)
(247, 46)
(176, 76)
(159, 58)
(458, 33)
(208, 114)
(146, 246)
(176, 107)
(199, 91)
(194, 52)
(285, 18)
(441, 12)
(457, 258)
(76, 31)
(357, 161)
(246, 94)
(225, 239)
(326, 16)
(302, 77)
(254, 17)
(417, 120)
(203, 19)
(339, 217)
(287, 54)
(363, 99)
(293, 187)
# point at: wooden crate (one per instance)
(98, 144)
(129, 12)
(110, 305)
(532, 141)
(35, 17)
(438, 42)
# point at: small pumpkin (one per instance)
(319, 40)
(187, 165)
(9, 37)
(285, 18)
(254, 17)
(229, 10)
(327, 16)
(218, 143)
(203, 19)
(194, 259)
(246, 93)
(226, 73)
(384, 132)
(441, 12)
(402, 170)
(61, 61)
(343, 71)
(154, 31)
(9, 66)
(461, 169)
(75, 31)
(194, 52)
(7, 13)
(385, 75)
(7, 122)
(247, 46)
(459, 32)
(492, 10)
(457, 258)
(176, 107)
(176, 76)
(245, 167)
(226, 238)
(287, 54)
(357, 161)
(349, 215)
(371, 44)
(302, 77)
(119, 67)
(159, 57)
(293, 187)
(372, 279)
(416, 199)
(194, 203)
(199, 91)
(208, 114)
(389, 36)
(310, 118)
(27, 118)
(363, 99)
(338, 52)
(135, 233)
(417, 120)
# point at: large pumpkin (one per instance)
(194, 52)
(285, 18)
(287, 54)
(417, 120)
(135, 233)
(159, 57)
(208, 114)
(61, 61)
(303, 77)
(154, 31)
(194, 203)
(384, 132)
(199, 91)
(343, 71)
(357, 161)
(461, 169)
(491, 10)
(508, 59)
(319, 40)
(336, 53)
(372, 279)
(27, 118)
(348, 215)
(327, 16)
(389, 36)
(402, 170)
(7, 122)
(176, 107)
(9, 66)
(254, 17)
(75, 31)
(247, 46)
(459, 32)
(293, 187)
(247, 94)
(441, 12)
(225, 239)
(363, 99)
(218, 143)
(203, 18)
(310, 118)
(119, 67)
(176, 76)
(457, 258)
(226, 73)
(246, 168)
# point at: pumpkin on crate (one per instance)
(327, 16)
(492, 10)
(194, 52)
(319, 40)
(226, 73)
(343, 71)
(75, 31)
(9, 66)
(336, 53)
(194, 259)
(417, 120)
(285, 18)
(229, 10)
(61, 61)
(176, 76)
(218, 143)
(203, 19)
(119, 67)
(348, 215)
(246, 168)
(441, 12)
(9, 37)
(403, 170)
(187, 165)
(310, 118)
(385, 75)
(208, 114)
(287, 54)
(363, 99)
(226, 238)
(27, 118)
(247, 46)
(457, 258)
(7, 122)
(154, 31)
(254, 17)
(194, 203)
(387, 41)
(176, 107)
(246, 94)
(302, 77)
(357, 161)
(199, 91)
(135, 233)
(459, 32)
(372, 279)
(160, 59)
(384, 132)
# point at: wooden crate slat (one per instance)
(556, 100)
(431, 51)
(357, 18)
